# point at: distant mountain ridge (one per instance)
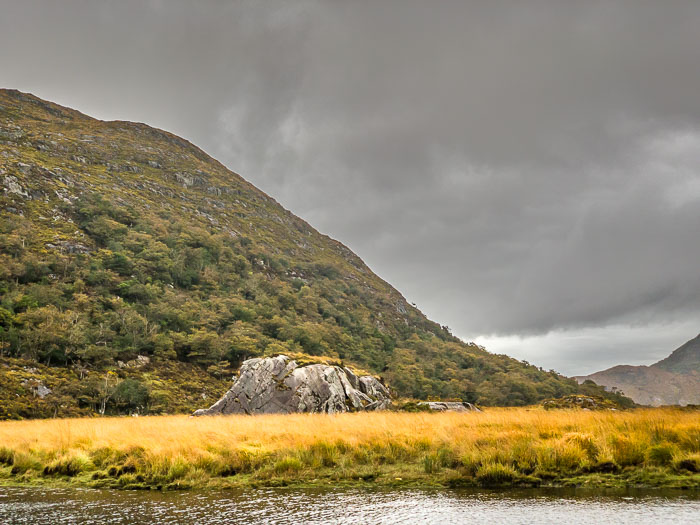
(683, 360)
(675, 380)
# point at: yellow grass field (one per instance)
(498, 447)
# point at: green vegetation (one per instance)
(119, 242)
(589, 401)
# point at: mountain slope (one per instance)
(137, 272)
(674, 380)
(683, 360)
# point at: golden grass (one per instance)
(498, 446)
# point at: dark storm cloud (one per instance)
(516, 168)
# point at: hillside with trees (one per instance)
(136, 273)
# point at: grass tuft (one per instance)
(495, 475)
(7, 456)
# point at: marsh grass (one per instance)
(495, 474)
(499, 447)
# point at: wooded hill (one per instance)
(136, 273)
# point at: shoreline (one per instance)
(498, 448)
(683, 484)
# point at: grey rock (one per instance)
(14, 134)
(68, 247)
(12, 185)
(449, 406)
(123, 168)
(38, 388)
(42, 390)
(352, 378)
(277, 385)
(24, 168)
(189, 180)
(373, 387)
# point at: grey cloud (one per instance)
(513, 167)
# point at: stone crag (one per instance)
(449, 406)
(277, 385)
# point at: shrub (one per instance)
(131, 394)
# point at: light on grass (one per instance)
(495, 447)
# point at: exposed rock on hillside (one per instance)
(449, 406)
(277, 385)
(582, 402)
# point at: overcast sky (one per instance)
(526, 172)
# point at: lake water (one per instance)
(37, 506)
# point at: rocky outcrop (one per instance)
(277, 385)
(449, 406)
(577, 401)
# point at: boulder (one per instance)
(277, 385)
(449, 406)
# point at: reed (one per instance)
(497, 447)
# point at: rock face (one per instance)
(277, 385)
(449, 406)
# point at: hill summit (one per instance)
(137, 273)
(674, 380)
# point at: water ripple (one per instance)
(34, 506)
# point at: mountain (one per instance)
(674, 380)
(683, 360)
(137, 273)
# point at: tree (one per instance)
(205, 347)
(7, 319)
(51, 335)
(98, 391)
(131, 395)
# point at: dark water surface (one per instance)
(286, 506)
